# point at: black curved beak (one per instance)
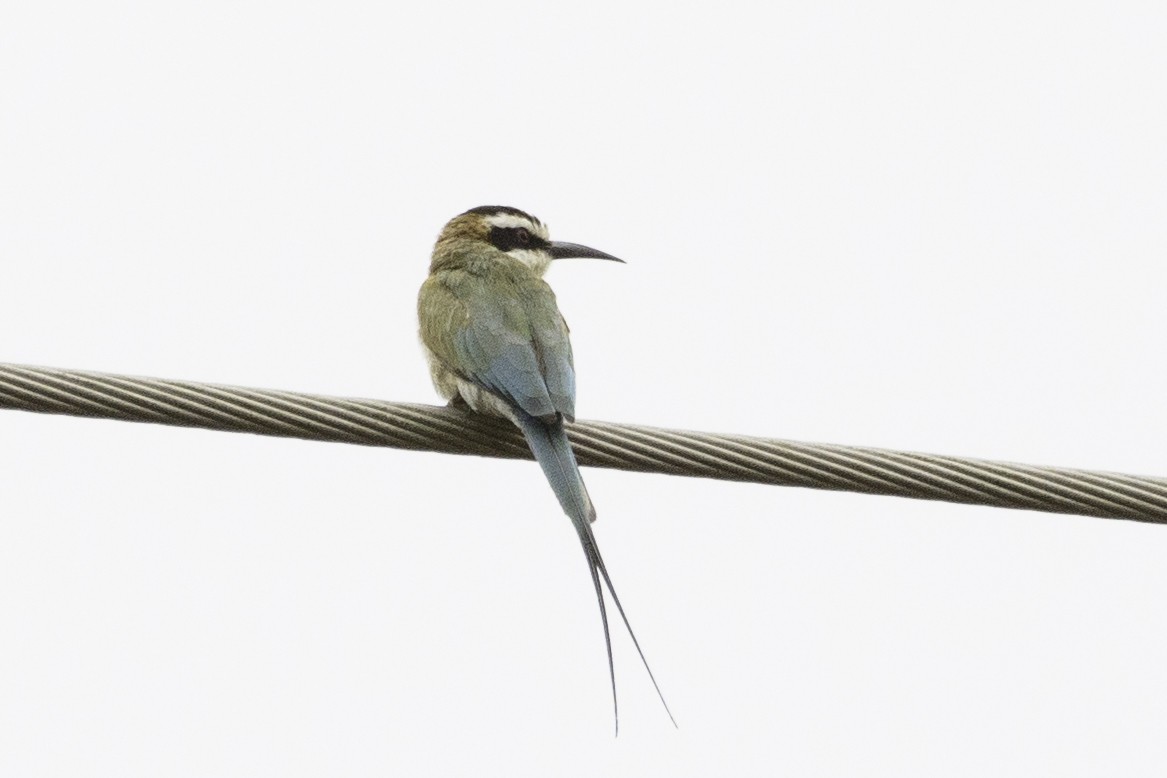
(561, 250)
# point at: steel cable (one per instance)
(598, 444)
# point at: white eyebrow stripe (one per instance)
(510, 221)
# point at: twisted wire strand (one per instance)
(598, 444)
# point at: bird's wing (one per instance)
(553, 349)
(515, 345)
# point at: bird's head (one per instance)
(497, 230)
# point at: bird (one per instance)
(497, 344)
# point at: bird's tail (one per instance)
(552, 450)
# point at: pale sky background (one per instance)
(921, 226)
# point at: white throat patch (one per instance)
(536, 259)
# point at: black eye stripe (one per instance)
(508, 238)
